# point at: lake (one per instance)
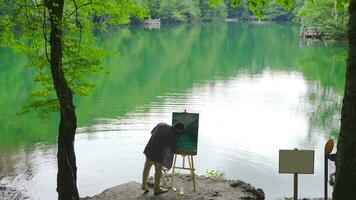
(256, 87)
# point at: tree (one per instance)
(345, 181)
(61, 61)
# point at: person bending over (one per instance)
(159, 152)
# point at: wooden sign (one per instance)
(296, 161)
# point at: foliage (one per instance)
(210, 14)
(179, 10)
(214, 173)
(329, 15)
(185, 10)
(266, 10)
(153, 7)
(275, 12)
(25, 28)
(210, 10)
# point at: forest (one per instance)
(327, 15)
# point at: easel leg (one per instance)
(192, 174)
(194, 181)
(173, 169)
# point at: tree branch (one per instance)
(12, 19)
(76, 9)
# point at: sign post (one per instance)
(329, 146)
(296, 162)
(295, 186)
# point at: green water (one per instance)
(216, 70)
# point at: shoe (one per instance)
(145, 189)
(150, 185)
(160, 191)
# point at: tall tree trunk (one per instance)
(345, 185)
(67, 169)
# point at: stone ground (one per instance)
(8, 193)
(207, 189)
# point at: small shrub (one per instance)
(214, 173)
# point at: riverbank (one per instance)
(207, 188)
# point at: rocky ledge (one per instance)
(8, 193)
(207, 189)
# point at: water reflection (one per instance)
(254, 93)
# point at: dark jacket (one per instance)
(162, 145)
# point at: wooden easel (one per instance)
(191, 168)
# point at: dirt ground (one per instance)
(207, 189)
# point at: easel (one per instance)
(189, 155)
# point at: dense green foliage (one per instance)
(212, 14)
(24, 26)
(185, 10)
(179, 10)
(328, 15)
(209, 11)
(331, 17)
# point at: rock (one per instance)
(247, 198)
(9, 193)
(207, 188)
(236, 184)
(215, 194)
(260, 194)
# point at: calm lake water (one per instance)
(256, 87)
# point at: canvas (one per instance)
(188, 140)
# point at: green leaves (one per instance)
(341, 4)
(118, 11)
(214, 173)
(29, 34)
(288, 4)
(214, 3)
(176, 10)
(216, 13)
(256, 6)
(327, 15)
(235, 3)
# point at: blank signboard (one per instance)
(296, 161)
